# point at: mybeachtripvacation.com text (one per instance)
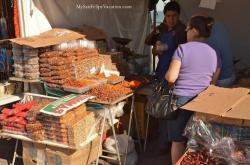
(102, 6)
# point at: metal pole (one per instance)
(154, 25)
(146, 136)
(129, 125)
(15, 153)
(137, 128)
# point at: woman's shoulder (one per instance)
(194, 46)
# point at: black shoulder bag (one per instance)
(161, 103)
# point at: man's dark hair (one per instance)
(172, 6)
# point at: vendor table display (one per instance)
(62, 123)
(38, 118)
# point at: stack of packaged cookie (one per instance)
(56, 67)
(31, 63)
(66, 120)
(26, 62)
(18, 60)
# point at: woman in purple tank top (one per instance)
(193, 68)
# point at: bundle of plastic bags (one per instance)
(208, 136)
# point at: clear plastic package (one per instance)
(31, 67)
(17, 58)
(17, 52)
(19, 74)
(33, 60)
(203, 135)
(18, 67)
(31, 76)
(28, 50)
(35, 70)
(18, 61)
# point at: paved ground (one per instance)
(153, 156)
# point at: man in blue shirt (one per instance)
(165, 39)
(219, 41)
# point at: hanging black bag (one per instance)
(162, 104)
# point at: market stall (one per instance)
(91, 86)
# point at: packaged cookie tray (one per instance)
(116, 81)
(38, 135)
(63, 136)
(86, 88)
(76, 89)
(80, 131)
(76, 135)
(14, 130)
(70, 118)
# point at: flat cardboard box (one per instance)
(52, 37)
(231, 103)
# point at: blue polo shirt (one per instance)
(166, 57)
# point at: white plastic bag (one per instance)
(123, 142)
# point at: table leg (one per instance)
(137, 129)
(146, 136)
(15, 153)
(100, 143)
(113, 129)
(129, 126)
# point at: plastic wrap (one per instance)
(19, 74)
(17, 52)
(31, 76)
(18, 59)
(204, 135)
(31, 60)
(31, 67)
(18, 67)
(29, 50)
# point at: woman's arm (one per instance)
(173, 71)
(216, 76)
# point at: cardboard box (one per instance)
(40, 154)
(222, 120)
(82, 156)
(52, 37)
(33, 153)
(230, 103)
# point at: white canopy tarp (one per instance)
(118, 18)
